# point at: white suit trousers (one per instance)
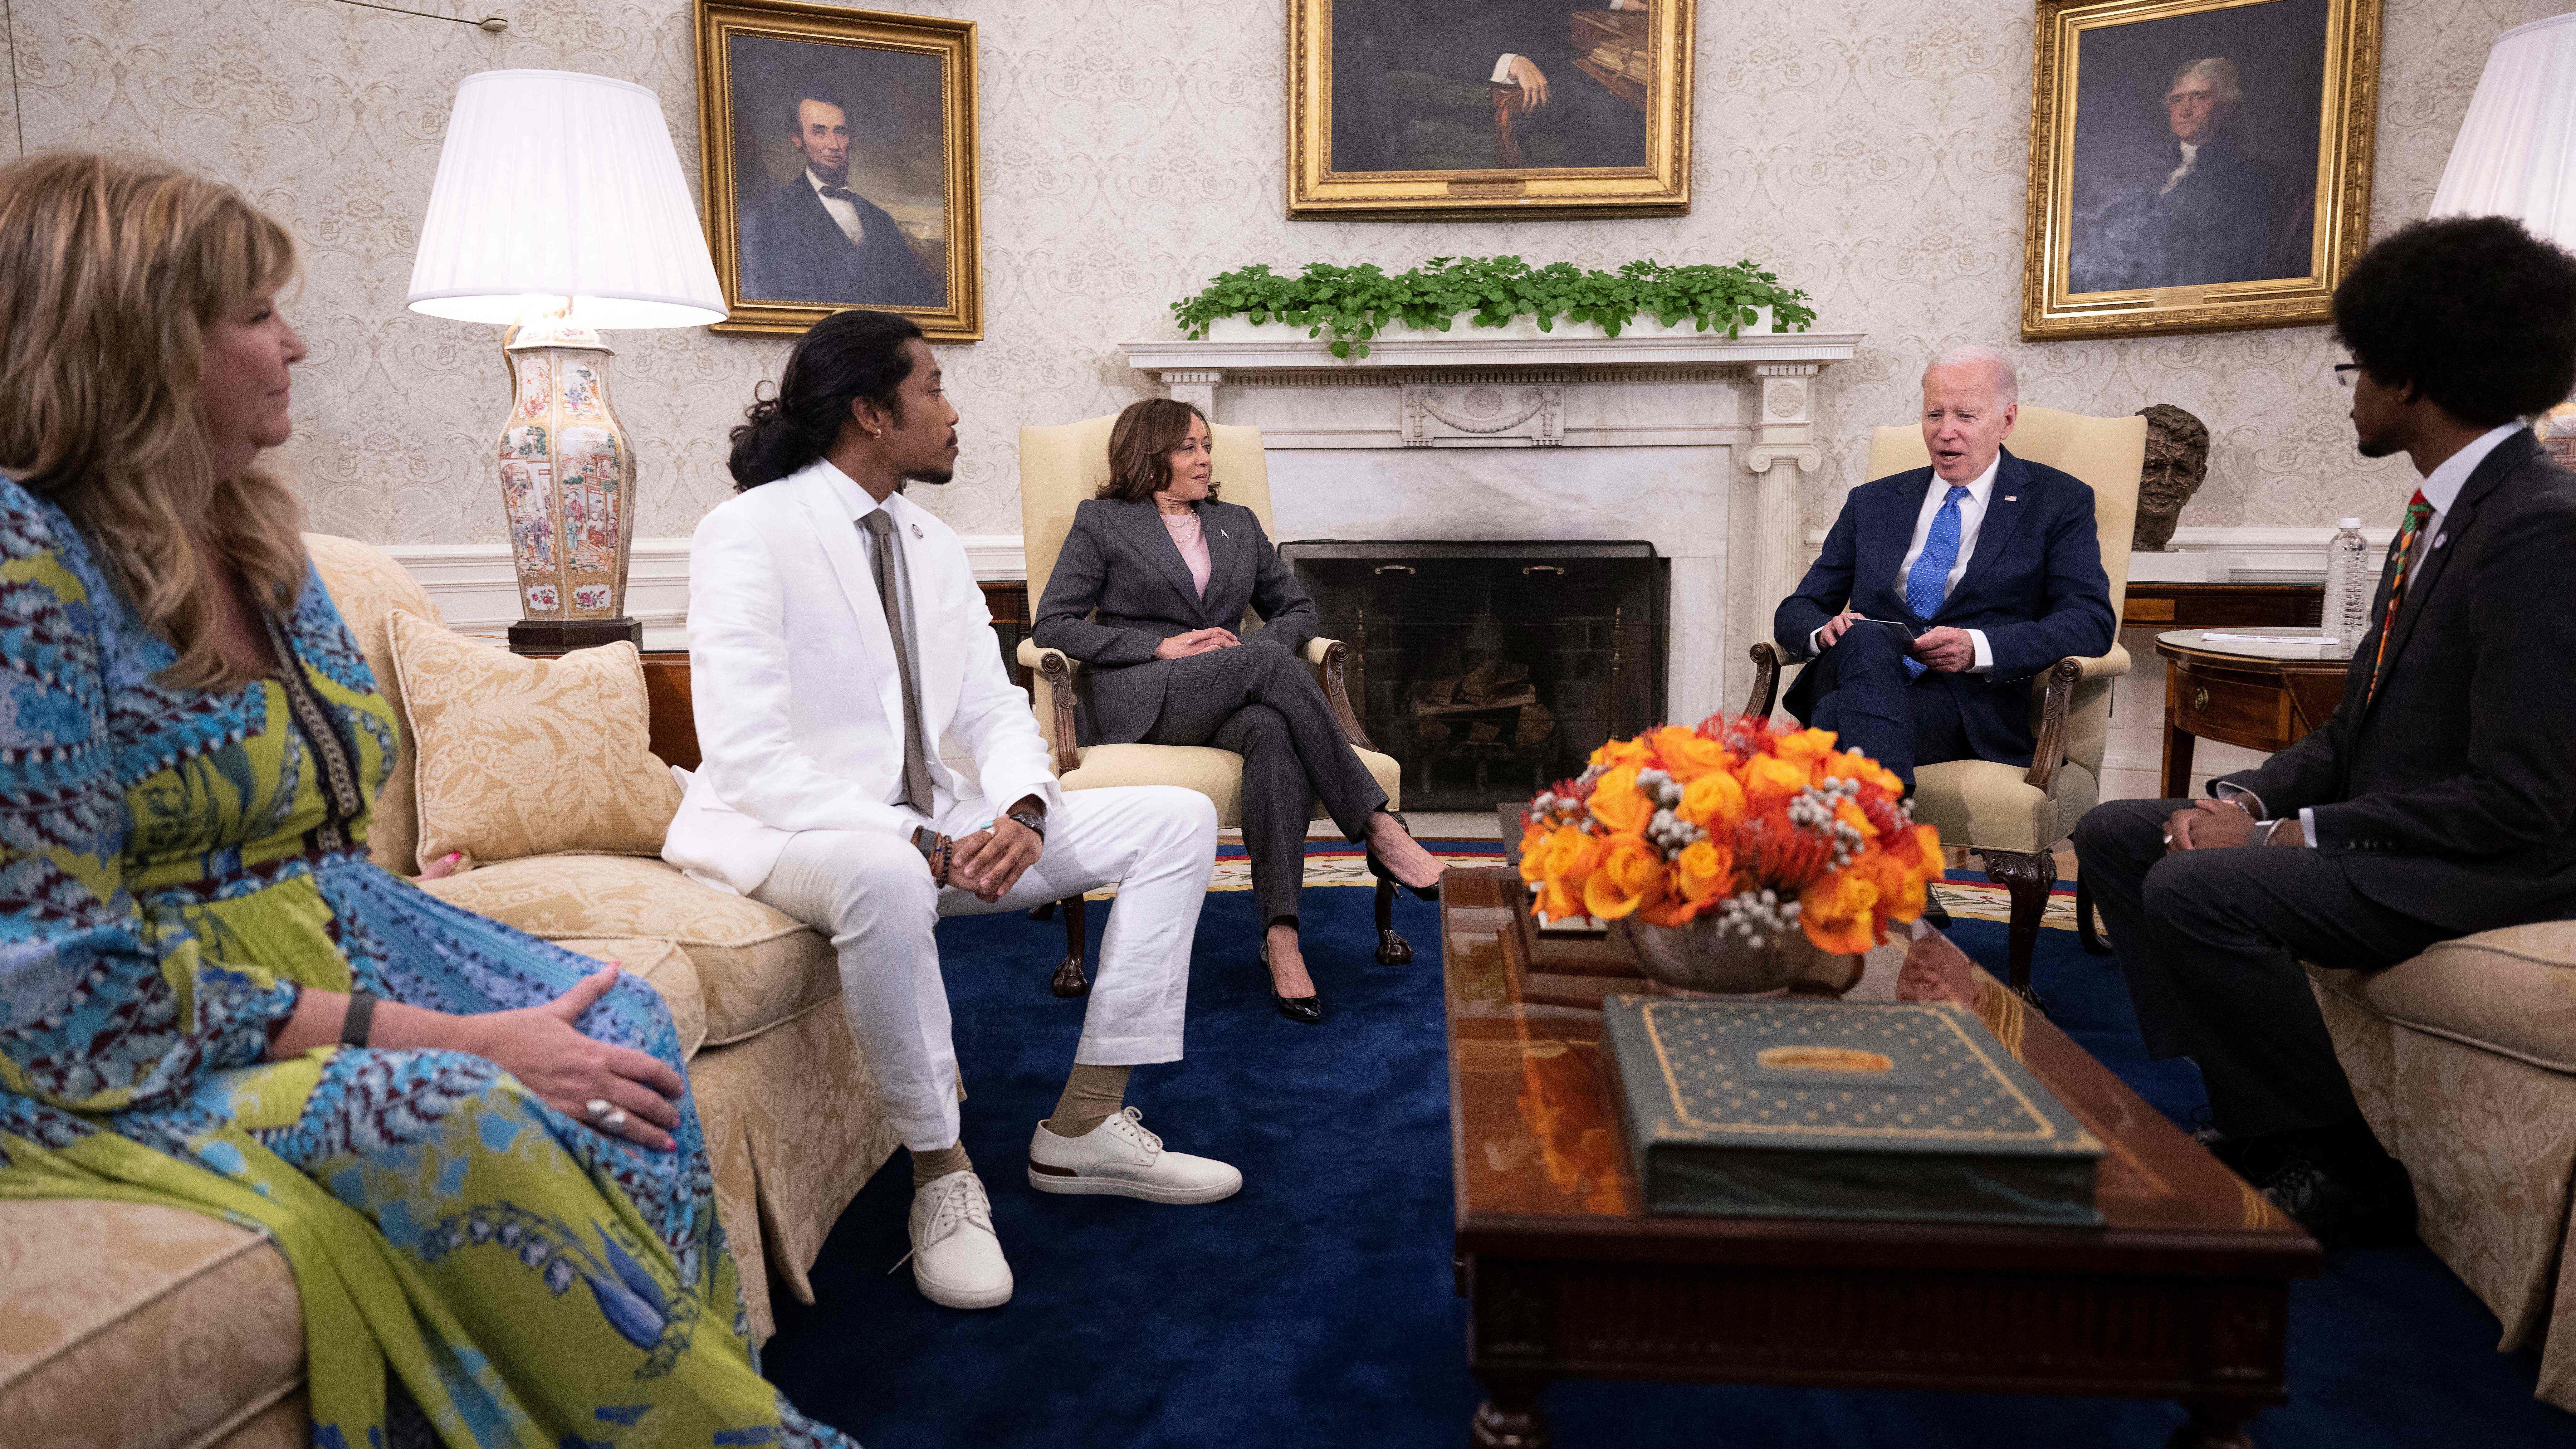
(872, 894)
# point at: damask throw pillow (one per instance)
(516, 757)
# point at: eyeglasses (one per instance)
(2343, 372)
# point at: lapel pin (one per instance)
(2440, 539)
(2012, 498)
(916, 530)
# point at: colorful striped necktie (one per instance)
(2402, 559)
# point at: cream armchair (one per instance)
(1060, 467)
(2010, 815)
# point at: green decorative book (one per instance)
(1840, 1110)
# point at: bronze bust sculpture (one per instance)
(2177, 463)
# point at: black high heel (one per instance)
(1378, 868)
(1303, 1010)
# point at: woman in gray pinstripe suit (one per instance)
(1151, 579)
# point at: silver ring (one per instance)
(598, 1108)
(615, 1119)
(2168, 837)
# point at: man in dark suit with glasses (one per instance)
(2440, 798)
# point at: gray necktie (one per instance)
(887, 564)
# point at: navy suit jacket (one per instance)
(792, 251)
(2035, 586)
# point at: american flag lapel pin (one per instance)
(2012, 498)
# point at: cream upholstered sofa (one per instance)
(2010, 815)
(2464, 1060)
(142, 1326)
(1059, 468)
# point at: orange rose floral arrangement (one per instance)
(1766, 830)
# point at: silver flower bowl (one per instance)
(1700, 958)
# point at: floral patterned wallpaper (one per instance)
(1872, 149)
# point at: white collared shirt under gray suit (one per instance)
(799, 803)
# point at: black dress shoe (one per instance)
(1377, 867)
(2343, 1202)
(1304, 1010)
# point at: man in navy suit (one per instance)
(1942, 590)
(816, 240)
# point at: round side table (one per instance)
(2243, 692)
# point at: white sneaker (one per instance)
(1119, 1157)
(956, 1256)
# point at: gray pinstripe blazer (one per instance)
(1120, 588)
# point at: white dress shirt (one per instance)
(2190, 155)
(2441, 489)
(845, 212)
(1972, 513)
(860, 504)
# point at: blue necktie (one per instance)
(1929, 580)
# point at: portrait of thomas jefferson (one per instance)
(2208, 219)
(2196, 149)
(837, 180)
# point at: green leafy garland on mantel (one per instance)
(1354, 303)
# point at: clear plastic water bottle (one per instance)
(2346, 616)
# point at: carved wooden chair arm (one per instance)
(2057, 704)
(1328, 656)
(1053, 671)
(1766, 680)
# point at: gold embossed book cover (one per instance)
(1873, 1110)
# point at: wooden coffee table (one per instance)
(2184, 1294)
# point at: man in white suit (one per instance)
(836, 633)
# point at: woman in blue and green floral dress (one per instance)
(499, 1210)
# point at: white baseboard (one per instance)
(477, 590)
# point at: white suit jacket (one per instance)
(792, 676)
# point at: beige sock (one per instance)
(948, 1159)
(1090, 1095)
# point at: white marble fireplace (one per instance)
(1693, 442)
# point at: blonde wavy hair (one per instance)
(111, 271)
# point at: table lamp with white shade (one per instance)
(2516, 156)
(559, 210)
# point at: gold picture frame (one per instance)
(1405, 120)
(897, 227)
(2256, 223)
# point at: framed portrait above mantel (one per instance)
(1406, 109)
(2196, 165)
(839, 155)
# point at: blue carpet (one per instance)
(1316, 1307)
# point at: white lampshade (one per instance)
(2516, 155)
(555, 184)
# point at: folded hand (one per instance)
(1197, 641)
(1945, 649)
(549, 1055)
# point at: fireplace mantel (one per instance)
(1248, 358)
(1717, 434)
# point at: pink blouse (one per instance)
(1192, 542)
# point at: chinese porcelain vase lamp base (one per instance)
(560, 211)
(567, 488)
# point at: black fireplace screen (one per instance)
(1489, 670)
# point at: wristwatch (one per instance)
(934, 848)
(1035, 820)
